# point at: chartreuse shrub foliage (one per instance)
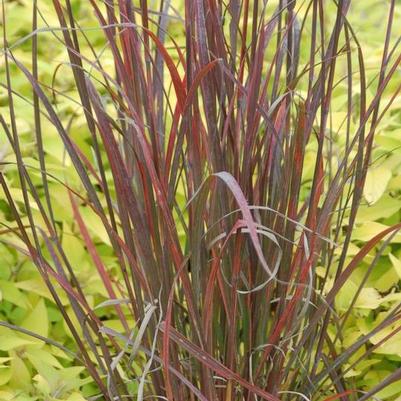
(200, 200)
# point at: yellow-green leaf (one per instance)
(376, 183)
(37, 320)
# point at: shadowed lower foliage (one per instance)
(230, 252)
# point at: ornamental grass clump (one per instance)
(212, 191)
